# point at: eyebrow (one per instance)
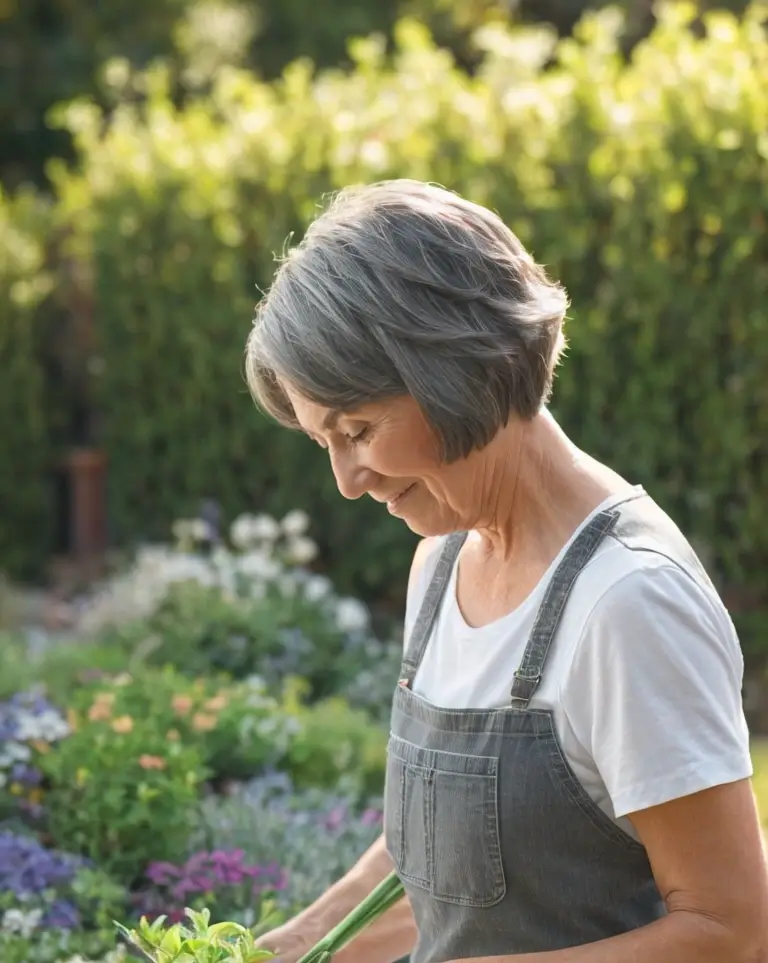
(329, 422)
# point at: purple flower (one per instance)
(335, 818)
(29, 776)
(162, 873)
(27, 868)
(62, 915)
(370, 817)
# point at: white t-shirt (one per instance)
(643, 677)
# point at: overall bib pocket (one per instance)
(441, 823)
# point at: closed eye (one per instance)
(360, 436)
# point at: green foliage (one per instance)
(62, 946)
(60, 669)
(641, 185)
(330, 741)
(25, 490)
(198, 942)
(121, 791)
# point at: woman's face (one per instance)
(388, 451)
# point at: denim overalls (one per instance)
(500, 849)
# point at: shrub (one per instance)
(236, 730)
(332, 742)
(253, 608)
(314, 835)
(120, 791)
(25, 432)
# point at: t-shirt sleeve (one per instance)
(654, 690)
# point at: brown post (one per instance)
(86, 468)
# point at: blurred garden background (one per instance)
(198, 635)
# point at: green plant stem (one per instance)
(386, 894)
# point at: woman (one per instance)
(568, 771)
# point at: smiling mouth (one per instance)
(392, 503)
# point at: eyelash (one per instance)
(359, 437)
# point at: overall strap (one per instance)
(429, 608)
(528, 675)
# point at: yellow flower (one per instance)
(152, 762)
(181, 704)
(81, 775)
(203, 722)
(41, 746)
(123, 724)
(16, 789)
(35, 796)
(72, 720)
(105, 698)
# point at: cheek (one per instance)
(398, 457)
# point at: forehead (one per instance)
(310, 415)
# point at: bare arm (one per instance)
(388, 939)
(709, 863)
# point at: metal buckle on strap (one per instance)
(525, 683)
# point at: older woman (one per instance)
(568, 769)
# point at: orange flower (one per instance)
(152, 762)
(123, 724)
(99, 712)
(217, 703)
(181, 704)
(172, 735)
(203, 722)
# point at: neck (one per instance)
(537, 488)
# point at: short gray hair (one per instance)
(402, 287)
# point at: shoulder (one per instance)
(646, 589)
(653, 685)
(423, 565)
(424, 559)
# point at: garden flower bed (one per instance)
(210, 741)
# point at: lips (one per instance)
(392, 503)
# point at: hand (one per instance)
(291, 940)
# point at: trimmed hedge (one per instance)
(26, 504)
(642, 186)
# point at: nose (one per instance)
(352, 479)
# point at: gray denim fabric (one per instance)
(499, 847)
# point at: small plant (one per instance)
(198, 942)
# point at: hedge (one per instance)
(641, 185)
(26, 504)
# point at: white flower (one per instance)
(247, 530)
(351, 615)
(265, 528)
(258, 565)
(301, 550)
(317, 588)
(295, 522)
(17, 921)
(189, 529)
(48, 726)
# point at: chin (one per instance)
(428, 528)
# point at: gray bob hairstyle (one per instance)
(401, 288)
